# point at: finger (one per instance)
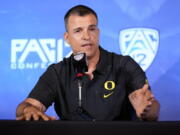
(151, 95)
(36, 117)
(20, 118)
(148, 94)
(28, 116)
(52, 117)
(147, 109)
(145, 87)
(149, 103)
(150, 98)
(144, 113)
(44, 117)
(143, 116)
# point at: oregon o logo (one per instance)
(109, 85)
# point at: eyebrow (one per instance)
(78, 28)
(92, 25)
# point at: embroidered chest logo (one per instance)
(109, 86)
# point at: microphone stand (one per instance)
(81, 111)
(81, 67)
(79, 78)
(80, 92)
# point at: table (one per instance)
(14, 127)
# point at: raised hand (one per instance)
(142, 100)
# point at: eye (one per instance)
(77, 30)
(92, 28)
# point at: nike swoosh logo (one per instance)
(107, 95)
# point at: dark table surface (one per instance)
(14, 127)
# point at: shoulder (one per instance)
(118, 60)
(115, 56)
(122, 61)
(60, 66)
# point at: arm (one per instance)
(144, 103)
(41, 96)
(141, 98)
(32, 109)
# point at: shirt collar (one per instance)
(104, 61)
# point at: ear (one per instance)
(66, 37)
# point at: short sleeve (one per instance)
(136, 77)
(45, 89)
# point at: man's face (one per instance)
(83, 34)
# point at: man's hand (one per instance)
(143, 101)
(32, 109)
(32, 113)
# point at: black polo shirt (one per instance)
(105, 97)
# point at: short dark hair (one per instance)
(80, 10)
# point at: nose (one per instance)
(86, 35)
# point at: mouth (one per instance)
(86, 45)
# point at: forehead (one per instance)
(81, 21)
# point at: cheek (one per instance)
(75, 45)
(95, 37)
(74, 39)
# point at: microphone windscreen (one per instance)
(80, 63)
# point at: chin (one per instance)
(88, 52)
(89, 55)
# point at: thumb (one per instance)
(52, 117)
(146, 91)
(145, 87)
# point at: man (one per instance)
(114, 87)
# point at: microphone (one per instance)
(80, 64)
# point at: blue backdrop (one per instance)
(31, 38)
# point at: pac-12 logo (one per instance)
(141, 44)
